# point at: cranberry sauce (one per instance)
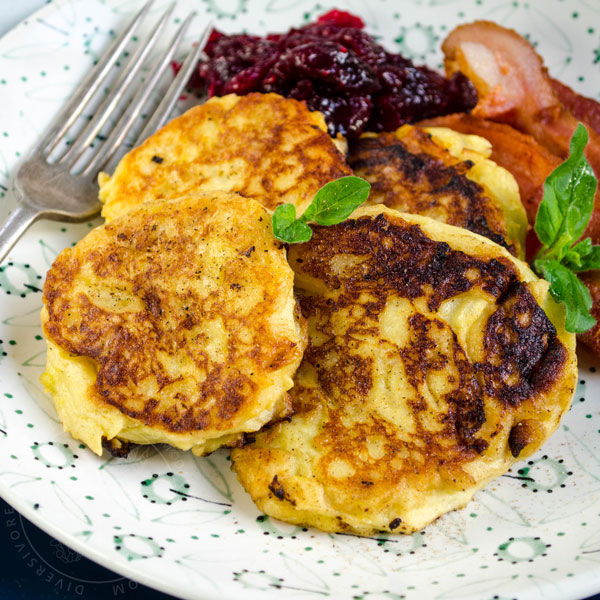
(336, 68)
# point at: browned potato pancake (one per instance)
(175, 324)
(435, 361)
(445, 175)
(262, 146)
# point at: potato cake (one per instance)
(263, 146)
(175, 324)
(435, 361)
(446, 175)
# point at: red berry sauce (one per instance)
(336, 68)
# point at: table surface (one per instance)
(34, 566)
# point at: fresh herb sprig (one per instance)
(562, 217)
(333, 203)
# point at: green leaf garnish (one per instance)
(332, 204)
(578, 259)
(287, 227)
(337, 200)
(566, 287)
(568, 199)
(562, 217)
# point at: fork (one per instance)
(65, 188)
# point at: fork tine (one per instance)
(163, 110)
(110, 103)
(63, 121)
(129, 117)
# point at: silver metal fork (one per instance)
(65, 188)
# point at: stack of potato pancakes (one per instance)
(368, 380)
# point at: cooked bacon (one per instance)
(514, 88)
(511, 81)
(582, 108)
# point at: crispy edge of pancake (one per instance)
(282, 482)
(96, 424)
(71, 379)
(296, 149)
(528, 161)
(471, 154)
(499, 184)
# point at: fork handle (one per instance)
(15, 226)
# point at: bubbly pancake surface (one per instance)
(435, 360)
(445, 175)
(175, 324)
(263, 146)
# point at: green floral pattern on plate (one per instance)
(183, 524)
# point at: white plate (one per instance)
(183, 524)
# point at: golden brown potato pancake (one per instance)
(175, 324)
(445, 175)
(435, 361)
(529, 162)
(263, 146)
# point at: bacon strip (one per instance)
(582, 108)
(515, 88)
